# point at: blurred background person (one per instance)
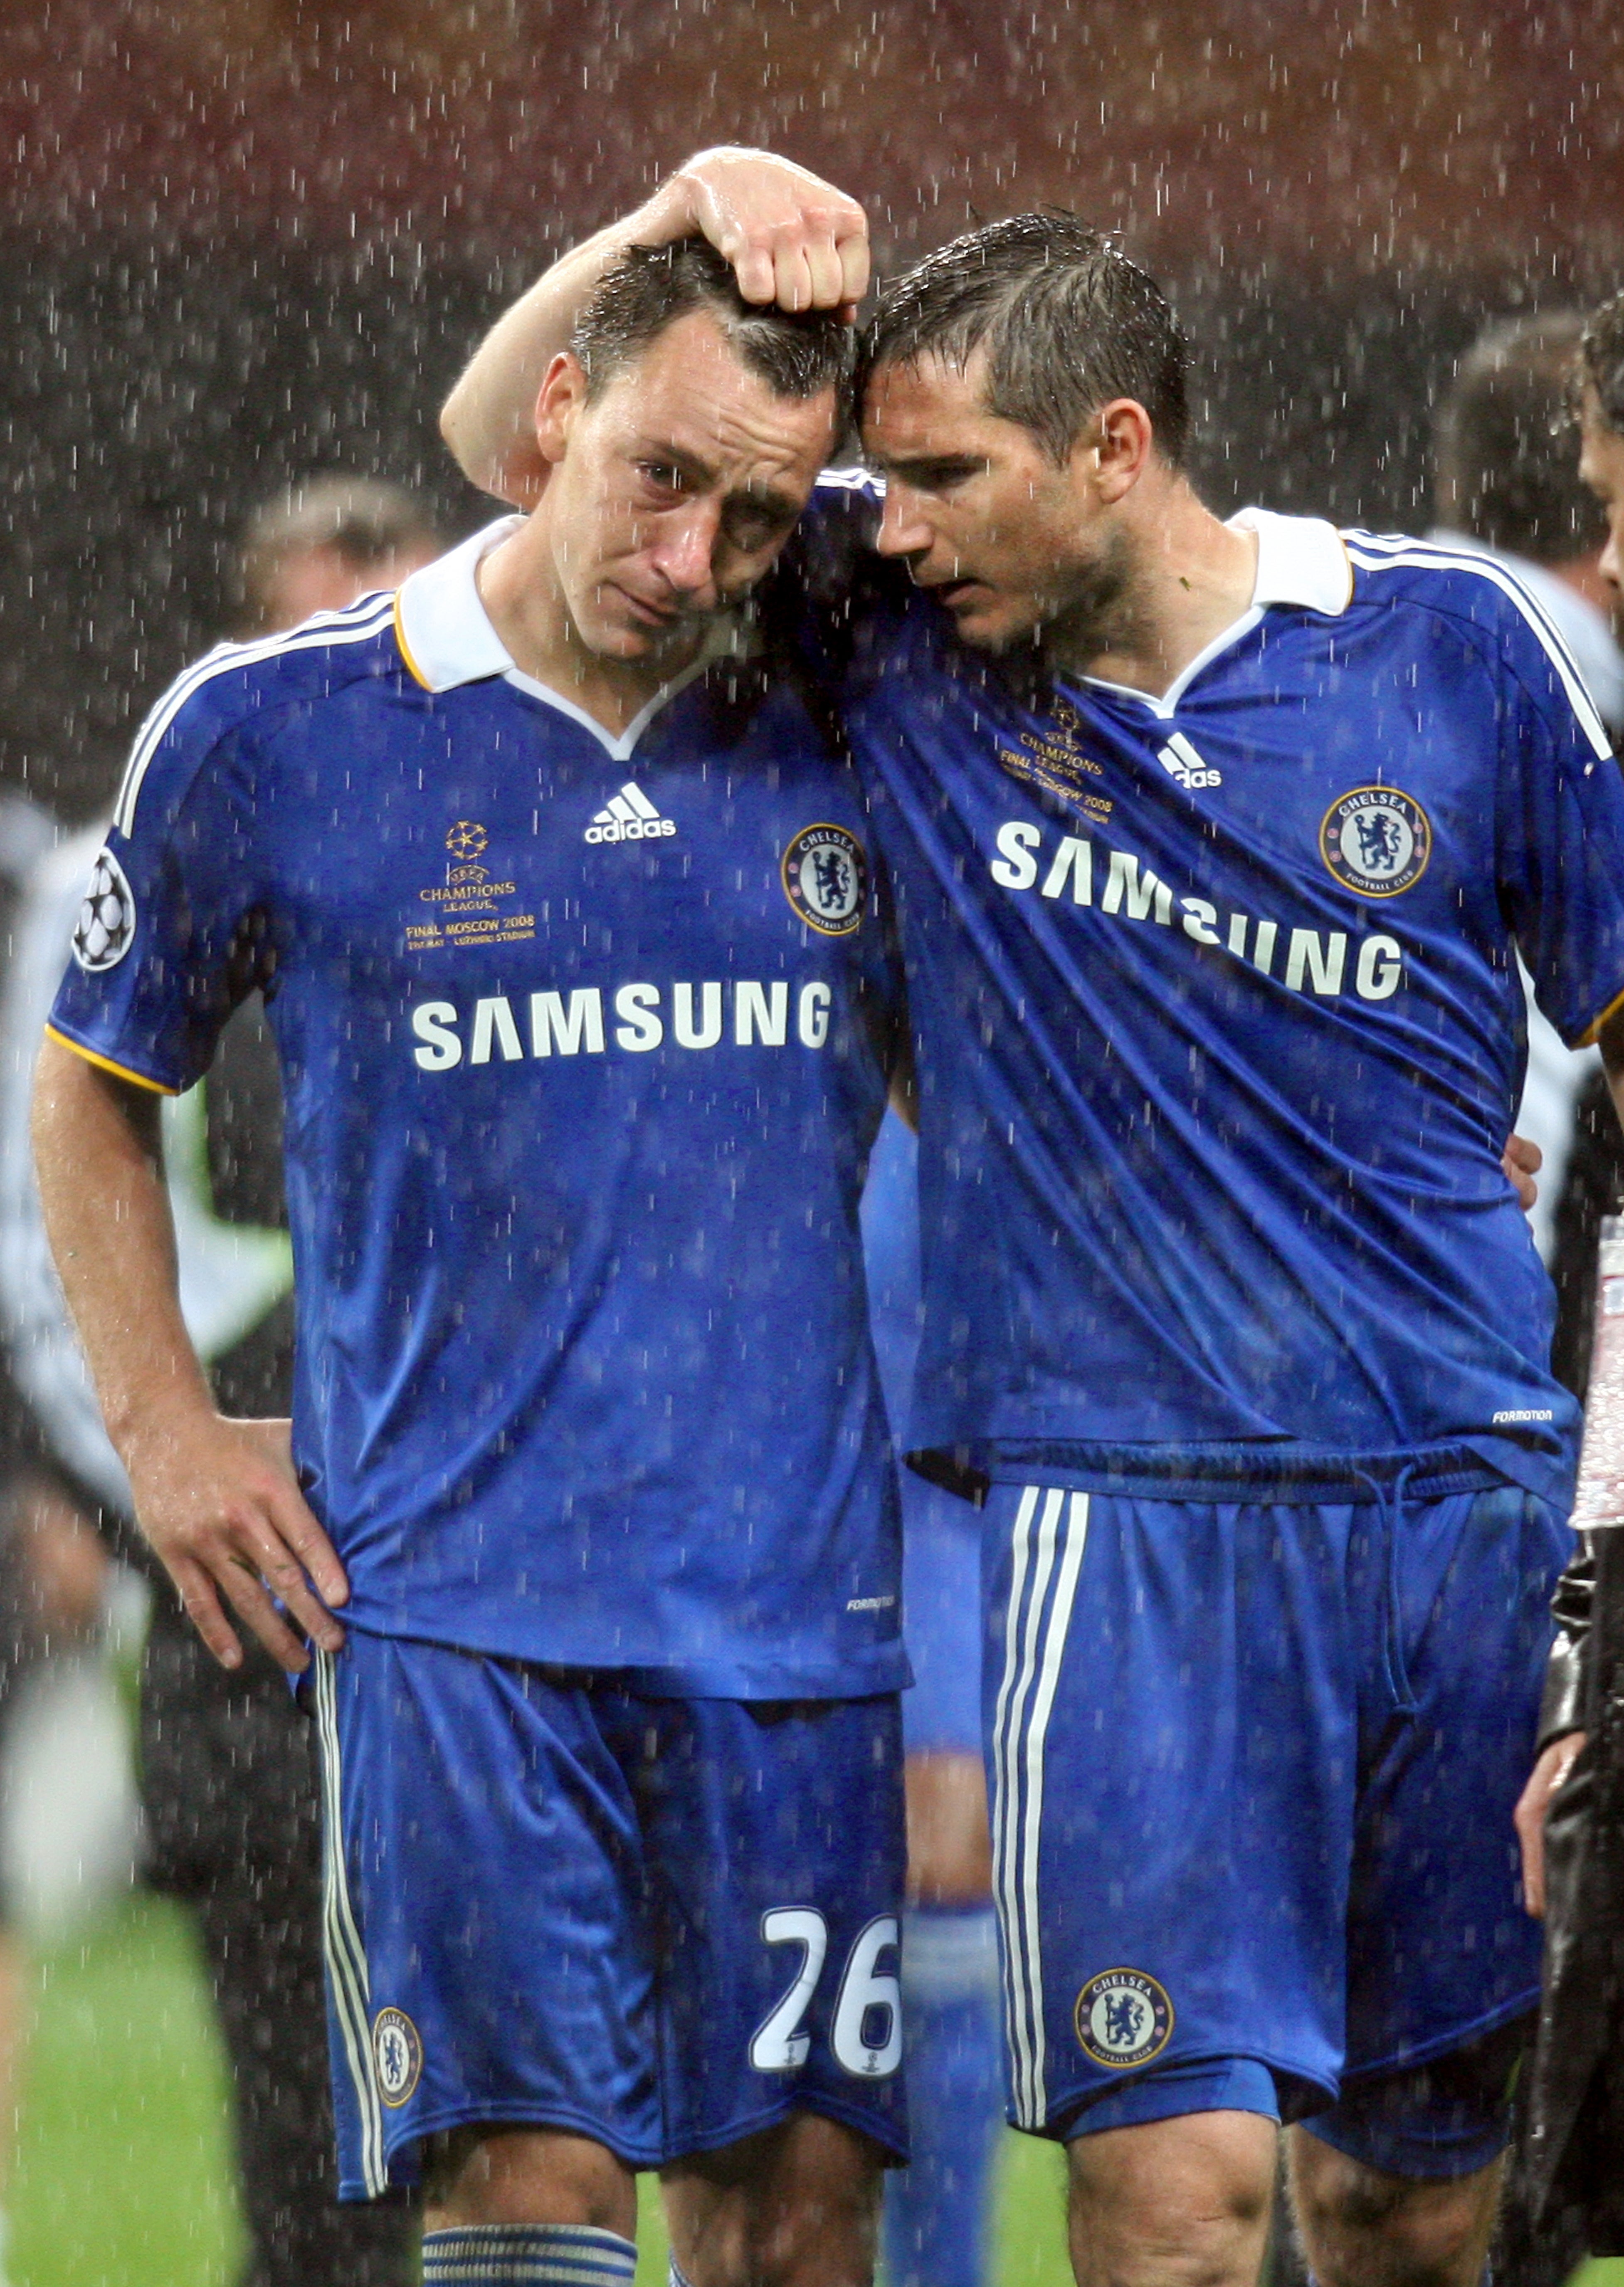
(937, 2214)
(1506, 484)
(1570, 1819)
(54, 1571)
(227, 1769)
(55, 1575)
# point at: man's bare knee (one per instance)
(526, 2176)
(1363, 2227)
(1180, 2203)
(795, 2207)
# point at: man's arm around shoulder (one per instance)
(217, 1499)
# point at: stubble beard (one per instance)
(1100, 608)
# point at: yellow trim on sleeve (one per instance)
(1353, 577)
(106, 1063)
(406, 649)
(1587, 1039)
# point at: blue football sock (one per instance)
(527, 2255)
(936, 2210)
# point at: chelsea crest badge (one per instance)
(1123, 2017)
(396, 2055)
(825, 874)
(1376, 841)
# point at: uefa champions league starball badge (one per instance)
(1123, 2018)
(106, 926)
(396, 2055)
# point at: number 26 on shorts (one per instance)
(867, 2034)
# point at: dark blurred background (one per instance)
(242, 240)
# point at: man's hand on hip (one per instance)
(219, 1501)
(1522, 1160)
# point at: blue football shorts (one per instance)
(941, 1619)
(552, 1900)
(1252, 1769)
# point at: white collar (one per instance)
(446, 637)
(1300, 560)
(444, 631)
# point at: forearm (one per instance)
(107, 1217)
(790, 238)
(218, 1499)
(489, 419)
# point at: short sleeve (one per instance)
(165, 943)
(1561, 831)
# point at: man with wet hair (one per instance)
(1250, 929)
(563, 903)
(1212, 845)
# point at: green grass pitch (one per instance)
(122, 2175)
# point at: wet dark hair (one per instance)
(1601, 359)
(798, 355)
(1068, 323)
(1506, 462)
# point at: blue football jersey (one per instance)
(1219, 1028)
(584, 1042)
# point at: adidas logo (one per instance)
(1181, 761)
(629, 816)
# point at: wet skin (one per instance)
(1017, 546)
(667, 498)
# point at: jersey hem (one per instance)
(402, 2148)
(1255, 1472)
(1461, 2036)
(352, 2190)
(108, 1064)
(1062, 2113)
(885, 1671)
(871, 2122)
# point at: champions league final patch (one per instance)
(106, 926)
(1376, 841)
(1123, 2018)
(826, 879)
(396, 2055)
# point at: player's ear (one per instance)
(1112, 452)
(559, 403)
